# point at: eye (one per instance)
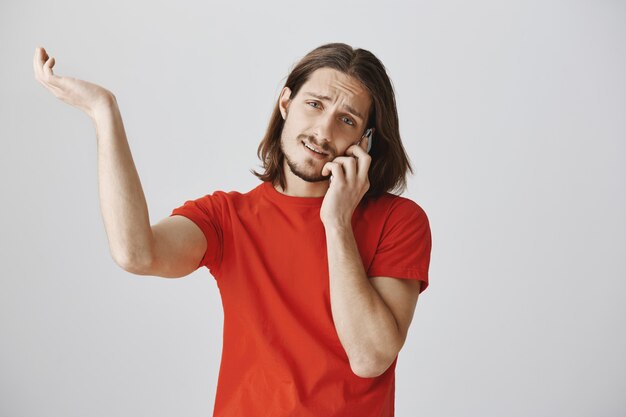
(349, 121)
(313, 102)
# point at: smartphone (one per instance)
(369, 134)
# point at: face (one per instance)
(328, 115)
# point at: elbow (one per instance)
(134, 265)
(366, 373)
(370, 368)
(375, 363)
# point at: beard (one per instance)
(305, 170)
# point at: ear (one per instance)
(284, 100)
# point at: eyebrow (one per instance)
(348, 107)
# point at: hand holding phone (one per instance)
(340, 200)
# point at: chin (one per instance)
(308, 175)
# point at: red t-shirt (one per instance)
(281, 354)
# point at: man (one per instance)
(319, 267)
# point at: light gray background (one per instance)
(513, 114)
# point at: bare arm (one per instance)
(122, 200)
(372, 314)
(177, 248)
(171, 248)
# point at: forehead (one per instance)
(339, 86)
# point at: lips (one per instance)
(314, 149)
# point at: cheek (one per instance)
(289, 136)
(292, 127)
(343, 148)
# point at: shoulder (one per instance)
(391, 205)
(234, 195)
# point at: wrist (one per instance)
(337, 227)
(104, 108)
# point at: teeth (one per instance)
(313, 149)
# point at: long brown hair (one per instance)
(390, 162)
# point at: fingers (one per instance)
(362, 143)
(349, 170)
(359, 148)
(47, 67)
(359, 153)
(42, 65)
(335, 170)
(48, 75)
(348, 167)
(41, 57)
(37, 62)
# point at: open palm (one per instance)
(84, 95)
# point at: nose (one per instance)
(323, 130)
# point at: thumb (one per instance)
(326, 169)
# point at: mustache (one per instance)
(311, 139)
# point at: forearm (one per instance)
(366, 328)
(122, 200)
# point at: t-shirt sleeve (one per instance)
(206, 213)
(404, 247)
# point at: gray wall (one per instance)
(512, 114)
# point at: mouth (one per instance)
(314, 151)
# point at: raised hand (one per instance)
(349, 183)
(84, 95)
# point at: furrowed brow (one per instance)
(348, 107)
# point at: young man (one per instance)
(319, 266)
